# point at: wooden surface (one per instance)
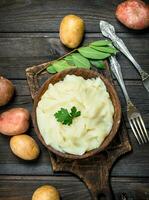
(28, 36)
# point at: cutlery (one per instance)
(109, 31)
(133, 115)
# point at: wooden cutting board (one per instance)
(93, 171)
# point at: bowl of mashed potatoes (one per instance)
(76, 113)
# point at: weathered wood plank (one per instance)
(69, 187)
(20, 187)
(142, 34)
(20, 52)
(14, 68)
(44, 46)
(45, 16)
(133, 164)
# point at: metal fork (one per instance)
(133, 115)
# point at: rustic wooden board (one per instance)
(93, 171)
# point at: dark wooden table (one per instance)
(28, 36)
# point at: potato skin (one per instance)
(14, 121)
(46, 192)
(6, 91)
(71, 31)
(134, 14)
(24, 147)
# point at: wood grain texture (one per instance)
(29, 36)
(134, 164)
(45, 16)
(37, 46)
(70, 187)
(22, 50)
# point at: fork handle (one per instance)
(116, 69)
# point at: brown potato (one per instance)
(71, 31)
(46, 192)
(6, 91)
(24, 147)
(134, 14)
(14, 121)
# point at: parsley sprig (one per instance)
(65, 117)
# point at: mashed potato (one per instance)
(87, 131)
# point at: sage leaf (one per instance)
(80, 61)
(98, 63)
(100, 43)
(110, 50)
(51, 69)
(61, 65)
(91, 53)
(69, 60)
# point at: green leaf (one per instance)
(100, 43)
(51, 69)
(61, 65)
(98, 63)
(88, 52)
(65, 117)
(74, 112)
(98, 50)
(80, 61)
(69, 60)
(110, 50)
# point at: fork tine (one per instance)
(132, 127)
(141, 129)
(137, 130)
(143, 125)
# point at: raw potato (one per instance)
(14, 121)
(6, 91)
(46, 192)
(71, 31)
(134, 14)
(24, 147)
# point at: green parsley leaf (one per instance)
(74, 112)
(65, 117)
